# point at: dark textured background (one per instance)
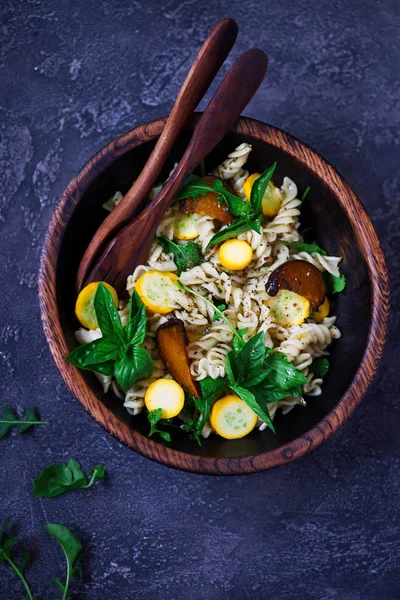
(75, 74)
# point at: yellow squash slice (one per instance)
(84, 307)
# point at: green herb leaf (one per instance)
(283, 373)
(251, 401)
(185, 255)
(237, 342)
(319, 367)
(58, 479)
(237, 206)
(154, 417)
(305, 194)
(132, 367)
(72, 549)
(5, 556)
(106, 314)
(231, 231)
(247, 364)
(8, 419)
(302, 247)
(258, 190)
(338, 283)
(84, 357)
(135, 330)
(221, 307)
(193, 187)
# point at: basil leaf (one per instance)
(229, 232)
(258, 190)
(135, 330)
(185, 255)
(319, 367)
(268, 391)
(220, 307)
(248, 362)
(133, 367)
(83, 357)
(237, 345)
(237, 206)
(72, 549)
(302, 247)
(193, 187)
(58, 479)
(249, 398)
(154, 416)
(283, 373)
(106, 313)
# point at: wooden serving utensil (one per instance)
(206, 65)
(130, 247)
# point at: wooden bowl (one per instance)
(339, 223)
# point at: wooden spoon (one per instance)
(206, 65)
(130, 247)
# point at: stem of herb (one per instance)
(20, 575)
(92, 480)
(23, 422)
(219, 313)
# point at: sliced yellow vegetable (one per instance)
(235, 254)
(185, 227)
(248, 184)
(156, 290)
(322, 311)
(84, 307)
(166, 394)
(288, 308)
(271, 202)
(231, 418)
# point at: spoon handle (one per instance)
(130, 247)
(206, 65)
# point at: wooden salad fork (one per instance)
(206, 65)
(130, 246)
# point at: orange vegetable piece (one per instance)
(301, 277)
(208, 205)
(172, 346)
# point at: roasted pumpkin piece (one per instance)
(208, 205)
(172, 346)
(301, 277)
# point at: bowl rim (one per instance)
(366, 238)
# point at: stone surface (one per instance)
(75, 74)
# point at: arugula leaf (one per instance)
(319, 367)
(185, 255)
(58, 479)
(154, 416)
(258, 190)
(72, 549)
(5, 556)
(220, 307)
(8, 419)
(135, 329)
(107, 314)
(303, 247)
